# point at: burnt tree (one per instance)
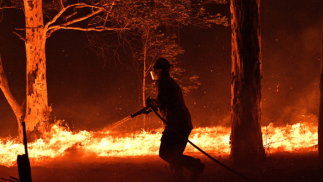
(246, 137)
(98, 17)
(37, 99)
(17, 109)
(320, 126)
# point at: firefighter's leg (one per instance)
(169, 151)
(192, 164)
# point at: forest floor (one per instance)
(283, 167)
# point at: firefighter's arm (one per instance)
(152, 103)
(156, 103)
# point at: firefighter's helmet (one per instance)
(162, 63)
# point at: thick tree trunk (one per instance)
(37, 103)
(17, 109)
(320, 127)
(246, 137)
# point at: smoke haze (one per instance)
(91, 94)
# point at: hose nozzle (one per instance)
(145, 110)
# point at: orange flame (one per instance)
(301, 137)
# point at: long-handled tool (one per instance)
(147, 110)
(23, 161)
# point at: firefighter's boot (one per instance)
(198, 170)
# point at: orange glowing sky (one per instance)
(90, 92)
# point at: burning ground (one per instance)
(64, 155)
(298, 138)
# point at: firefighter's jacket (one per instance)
(171, 103)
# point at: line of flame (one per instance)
(301, 137)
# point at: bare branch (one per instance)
(78, 5)
(92, 29)
(61, 4)
(8, 7)
(57, 27)
(69, 16)
(49, 33)
(83, 18)
(20, 37)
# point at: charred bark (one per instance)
(37, 102)
(246, 137)
(17, 109)
(320, 123)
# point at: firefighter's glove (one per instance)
(149, 102)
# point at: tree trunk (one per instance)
(17, 109)
(144, 49)
(320, 126)
(246, 137)
(37, 102)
